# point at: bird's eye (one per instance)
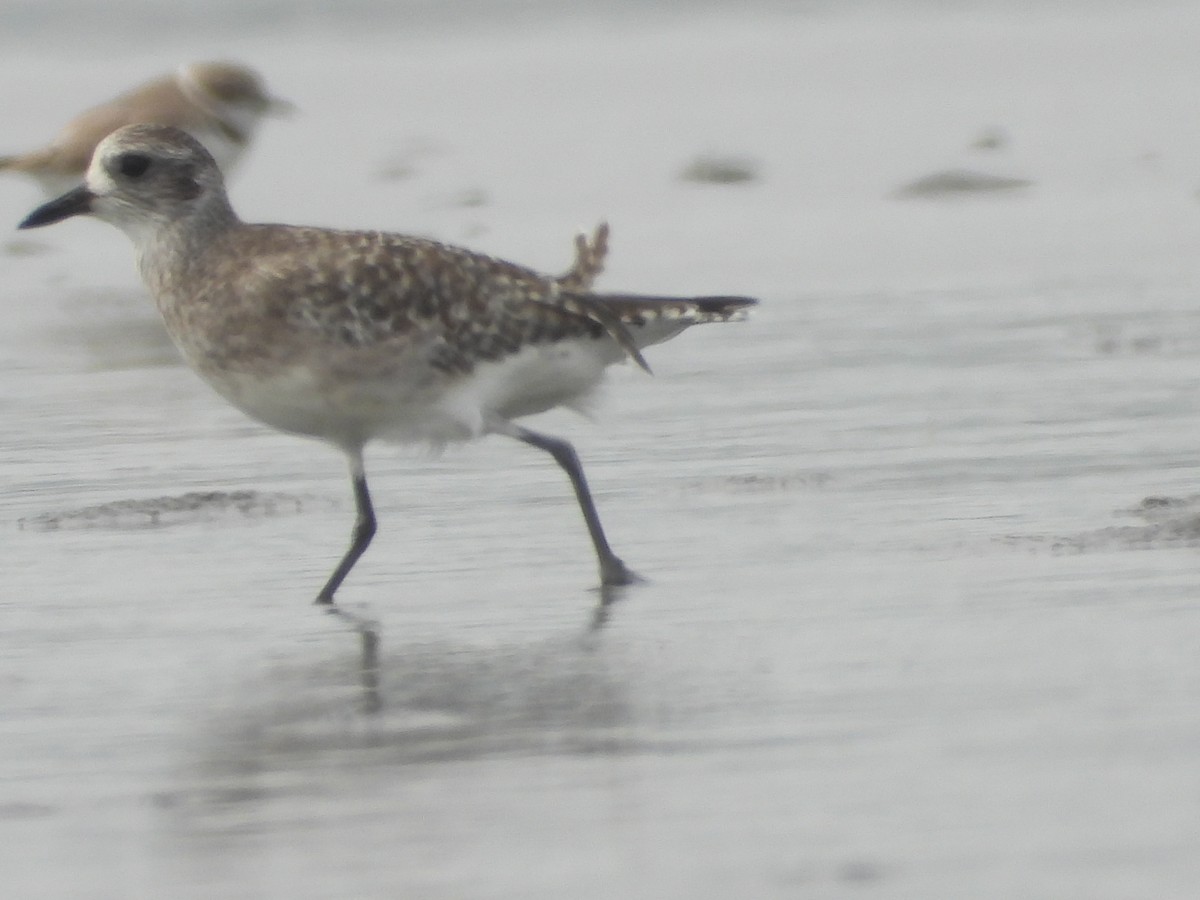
(133, 165)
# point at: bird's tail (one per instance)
(635, 320)
(638, 310)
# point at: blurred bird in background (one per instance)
(221, 104)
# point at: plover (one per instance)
(220, 104)
(354, 336)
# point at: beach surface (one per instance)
(921, 538)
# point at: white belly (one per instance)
(419, 405)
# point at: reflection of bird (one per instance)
(220, 104)
(351, 336)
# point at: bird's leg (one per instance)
(360, 537)
(612, 570)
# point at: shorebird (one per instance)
(220, 104)
(354, 336)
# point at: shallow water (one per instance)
(920, 538)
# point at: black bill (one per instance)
(72, 203)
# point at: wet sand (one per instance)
(920, 538)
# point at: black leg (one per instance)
(612, 570)
(360, 538)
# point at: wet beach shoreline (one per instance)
(920, 538)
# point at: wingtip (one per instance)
(725, 309)
(637, 357)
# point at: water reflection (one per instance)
(367, 630)
(609, 594)
(397, 709)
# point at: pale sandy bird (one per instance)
(353, 336)
(220, 104)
